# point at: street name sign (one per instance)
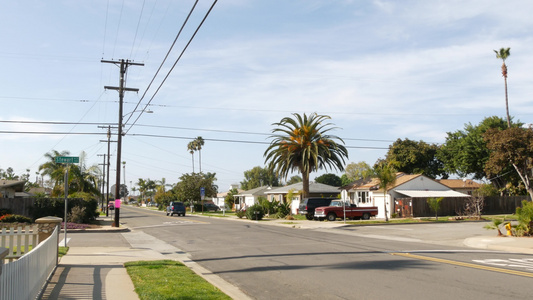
(67, 159)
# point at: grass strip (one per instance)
(168, 279)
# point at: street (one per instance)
(369, 262)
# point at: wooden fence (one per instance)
(18, 206)
(418, 207)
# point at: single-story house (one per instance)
(10, 188)
(399, 197)
(219, 199)
(250, 197)
(315, 190)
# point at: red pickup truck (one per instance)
(335, 210)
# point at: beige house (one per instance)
(465, 186)
(10, 188)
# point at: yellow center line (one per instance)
(463, 264)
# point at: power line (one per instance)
(175, 63)
(164, 60)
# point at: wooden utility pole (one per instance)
(123, 64)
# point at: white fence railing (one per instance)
(26, 277)
(18, 240)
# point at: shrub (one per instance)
(76, 215)
(5, 211)
(56, 207)
(524, 215)
(268, 207)
(240, 213)
(255, 212)
(284, 209)
(14, 219)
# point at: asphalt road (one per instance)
(370, 262)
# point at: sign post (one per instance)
(202, 196)
(66, 160)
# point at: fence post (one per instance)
(46, 226)
(3, 253)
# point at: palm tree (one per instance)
(302, 144)
(503, 54)
(192, 147)
(387, 177)
(54, 170)
(199, 142)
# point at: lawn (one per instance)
(168, 279)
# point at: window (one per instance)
(362, 197)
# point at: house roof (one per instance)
(222, 195)
(429, 194)
(314, 187)
(460, 183)
(18, 185)
(255, 192)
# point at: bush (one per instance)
(255, 212)
(284, 209)
(76, 215)
(14, 219)
(56, 207)
(240, 213)
(524, 215)
(5, 211)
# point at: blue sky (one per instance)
(382, 70)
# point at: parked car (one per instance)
(339, 209)
(211, 207)
(176, 208)
(308, 205)
(111, 205)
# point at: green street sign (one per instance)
(67, 159)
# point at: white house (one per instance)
(10, 188)
(315, 190)
(250, 197)
(367, 192)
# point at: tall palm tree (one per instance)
(302, 144)
(199, 141)
(192, 147)
(503, 54)
(387, 177)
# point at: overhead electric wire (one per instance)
(163, 62)
(175, 63)
(137, 29)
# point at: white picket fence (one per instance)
(18, 240)
(25, 278)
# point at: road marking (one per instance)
(526, 263)
(463, 264)
(174, 223)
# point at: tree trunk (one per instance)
(305, 183)
(385, 205)
(507, 103)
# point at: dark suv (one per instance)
(176, 208)
(308, 205)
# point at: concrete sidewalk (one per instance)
(99, 272)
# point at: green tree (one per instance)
(229, 200)
(345, 180)
(434, 204)
(414, 157)
(465, 152)
(303, 144)
(356, 171)
(503, 54)
(55, 171)
(257, 177)
(387, 177)
(294, 179)
(512, 146)
(329, 179)
(188, 188)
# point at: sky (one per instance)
(382, 70)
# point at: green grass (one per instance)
(62, 251)
(167, 279)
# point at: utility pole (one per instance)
(124, 64)
(103, 182)
(108, 163)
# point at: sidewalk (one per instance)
(99, 273)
